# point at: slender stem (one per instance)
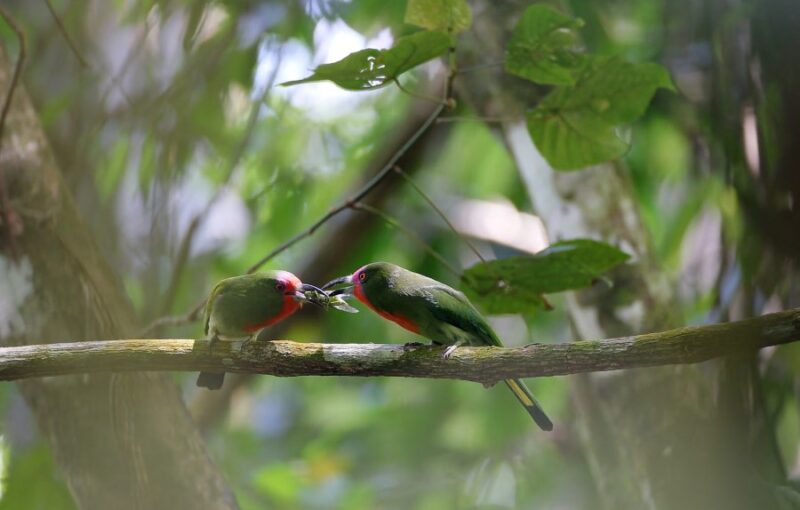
(480, 67)
(461, 118)
(441, 214)
(115, 78)
(5, 202)
(410, 233)
(434, 100)
(452, 67)
(61, 28)
(17, 68)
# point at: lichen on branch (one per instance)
(486, 365)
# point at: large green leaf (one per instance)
(450, 16)
(371, 68)
(576, 126)
(515, 284)
(543, 47)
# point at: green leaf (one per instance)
(543, 47)
(576, 126)
(450, 16)
(515, 284)
(371, 68)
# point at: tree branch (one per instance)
(486, 365)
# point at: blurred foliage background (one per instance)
(190, 164)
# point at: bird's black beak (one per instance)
(342, 280)
(312, 294)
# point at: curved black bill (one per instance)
(308, 287)
(312, 294)
(339, 281)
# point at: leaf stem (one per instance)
(432, 99)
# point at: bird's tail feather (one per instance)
(525, 398)
(210, 380)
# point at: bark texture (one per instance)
(121, 440)
(486, 365)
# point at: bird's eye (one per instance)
(280, 286)
(362, 276)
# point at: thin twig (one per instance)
(61, 28)
(184, 248)
(17, 68)
(116, 78)
(488, 120)
(115, 82)
(452, 66)
(480, 67)
(5, 202)
(441, 214)
(410, 233)
(432, 99)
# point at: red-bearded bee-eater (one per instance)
(240, 307)
(431, 309)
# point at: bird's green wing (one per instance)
(452, 307)
(246, 301)
(209, 304)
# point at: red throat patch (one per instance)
(358, 292)
(289, 307)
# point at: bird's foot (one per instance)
(212, 342)
(449, 351)
(248, 343)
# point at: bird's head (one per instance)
(290, 287)
(366, 280)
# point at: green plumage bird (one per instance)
(431, 309)
(240, 307)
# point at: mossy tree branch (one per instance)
(485, 365)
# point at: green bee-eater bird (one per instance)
(240, 307)
(431, 309)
